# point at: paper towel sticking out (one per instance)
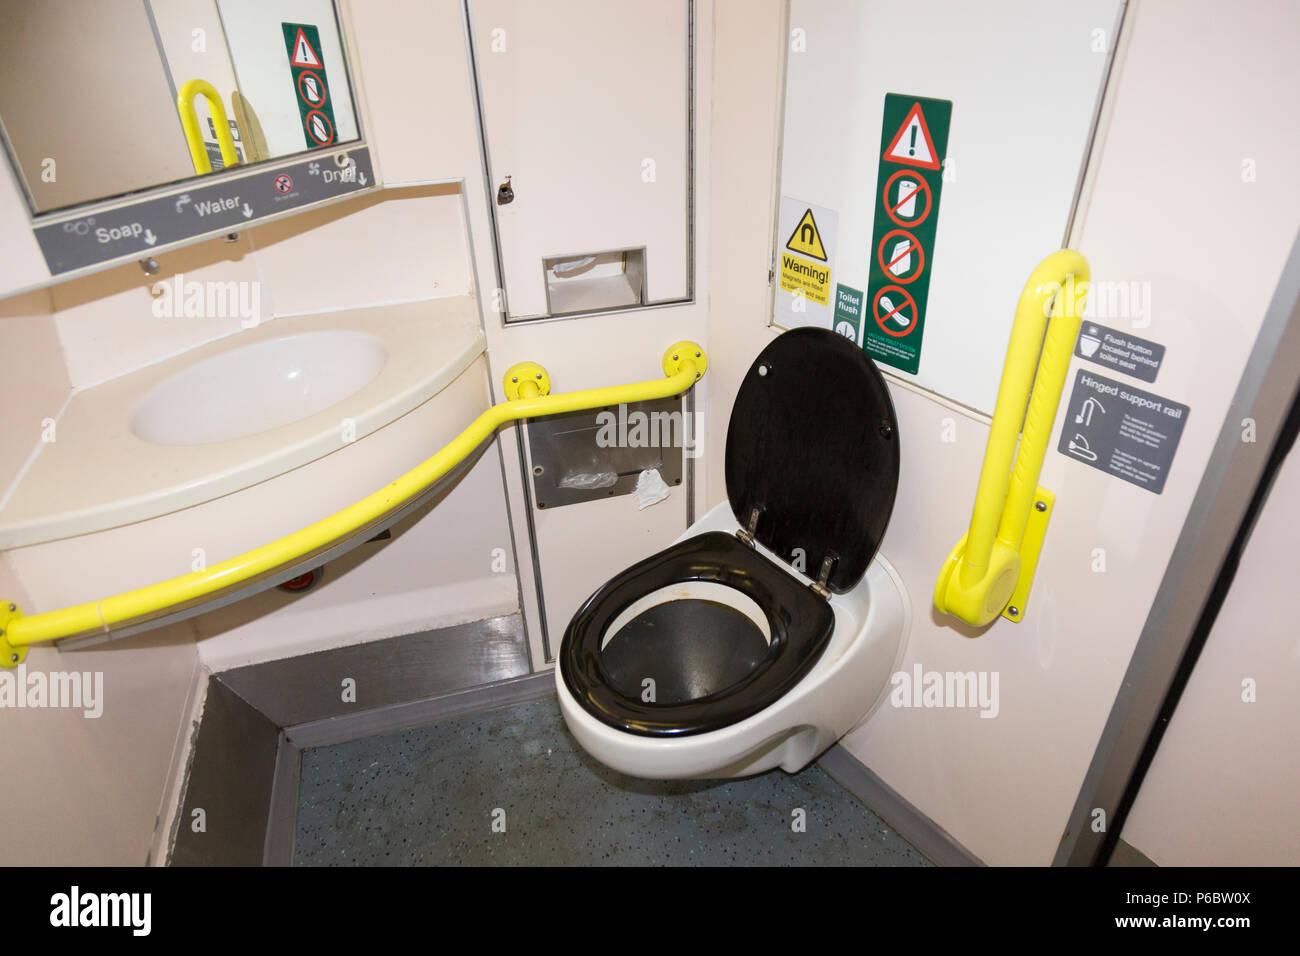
(585, 482)
(650, 489)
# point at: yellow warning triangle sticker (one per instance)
(805, 239)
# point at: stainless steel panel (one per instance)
(564, 450)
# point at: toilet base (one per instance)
(842, 690)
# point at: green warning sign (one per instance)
(307, 64)
(913, 143)
(848, 312)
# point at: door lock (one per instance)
(505, 193)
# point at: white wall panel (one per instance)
(1024, 77)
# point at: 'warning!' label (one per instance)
(812, 278)
(804, 263)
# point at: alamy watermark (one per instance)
(1106, 300)
(175, 298)
(638, 429)
(946, 689)
(133, 911)
(66, 690)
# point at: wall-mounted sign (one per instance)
(139, 229)
(804, 263)
(1119, 351)
(848, 312)
(913, 142)
(1122, 430)
(302, 42)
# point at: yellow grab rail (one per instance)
(194, 133)
(526, 388)
(990, 570)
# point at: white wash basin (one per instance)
(253, 389)
(237, 411)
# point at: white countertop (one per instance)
(98, 474)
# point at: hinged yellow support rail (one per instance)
(194, 134)
(991, 569)
(527, 388)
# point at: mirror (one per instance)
(101, 98)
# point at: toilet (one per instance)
(771, 627)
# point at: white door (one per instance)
(586, 114)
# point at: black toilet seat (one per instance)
(811, 467)
(800, 622)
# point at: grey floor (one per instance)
(432, 796)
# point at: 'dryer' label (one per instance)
(913, 143)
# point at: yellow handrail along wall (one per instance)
(990, 570)
(526, 388)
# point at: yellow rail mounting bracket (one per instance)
(991, 570)
(11, 655)
(1030, 549)
(526, 380)
(678, 355)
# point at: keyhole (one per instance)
(505, 193)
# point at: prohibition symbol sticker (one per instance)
(283, 183)
(909, 187)
(900, 256)
(321, 130)
(310, 83)
(311, 88)
(894, 310)
(908, 198)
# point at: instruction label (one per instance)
(805, 261)
(913, 142)
(142, 228)
(848, 312)
(1120, 351)
(1122, 430)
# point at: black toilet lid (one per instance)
(813, 444)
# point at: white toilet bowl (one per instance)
(844, 688)
(753, 644)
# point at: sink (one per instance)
(258, 387)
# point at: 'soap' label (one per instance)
(1122, 430)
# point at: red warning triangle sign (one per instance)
(912, 144)
(303, 54)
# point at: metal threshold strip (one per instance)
(527, 389)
